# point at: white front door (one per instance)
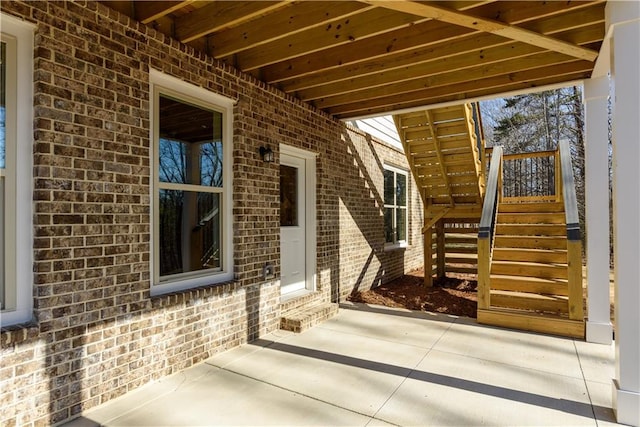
(293, 246)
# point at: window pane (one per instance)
(190, 231)
(401, 223)
(401, 189)
(388, 187)
(190, 144)
(288, 196)
(388, 225)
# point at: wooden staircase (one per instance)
(528, 247)
(443, 147)
(531, 277)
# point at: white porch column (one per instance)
(623, 23)
(596, 91)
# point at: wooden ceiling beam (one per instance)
(460, 54)
(369, 55)
(515, 12)
(419, 35)
(569, 21)
(468, 89)
(588, 35)
(370, 49)
(463, 4)
(344, 31)
(281, 24)
(317, 83)
(149, 11)
(220, 15)
(381, 110)
(464, 55)
(505, 66)
(468, 20)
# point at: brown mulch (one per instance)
(454, 294)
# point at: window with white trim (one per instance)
(192, 186)
(395, 206)
(16, 164)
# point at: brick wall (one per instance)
(97, 333)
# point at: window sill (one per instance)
(395, 246)
(16, 334)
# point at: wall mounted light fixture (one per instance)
(267, 154)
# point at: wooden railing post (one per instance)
(558, 175)
(484, 273)
(440, 249)
(428, 256)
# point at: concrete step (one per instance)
(299, 320)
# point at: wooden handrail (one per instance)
(569, 192)
(489, 208)
(531, 155)
(486, 228)
(574, 242)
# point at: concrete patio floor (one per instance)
(375, 366)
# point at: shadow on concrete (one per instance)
(568, 406)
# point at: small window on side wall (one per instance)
(395, 207)
(192, 186)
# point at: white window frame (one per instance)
(18, 210)
(177, 89)
(398, 244)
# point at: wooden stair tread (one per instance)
(529, 295)
(531, 207)
(538, 285)
(531, 242)
(461, 256)
(529, 279)
(527, 301)
(557, 256)
(531, 230)
(528, 264)
(531, 218)
(527, 269)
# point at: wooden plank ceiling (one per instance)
(373, 57)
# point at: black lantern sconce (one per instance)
(267, 154)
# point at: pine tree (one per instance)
(537, 122)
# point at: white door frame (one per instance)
(310, 209)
